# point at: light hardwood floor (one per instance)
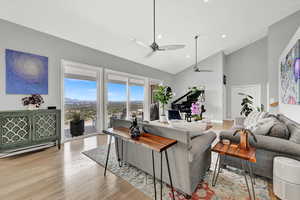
(65, 174)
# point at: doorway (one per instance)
(81, 100)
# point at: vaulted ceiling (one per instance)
(111, 25)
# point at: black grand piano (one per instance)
(184, 105)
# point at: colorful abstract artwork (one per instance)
(26, 73)
(290, 76)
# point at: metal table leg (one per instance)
(154, 181)
(217, 171)
(120, 160)
(251, 172)
(245, 176)
(107, 155)
(252, 178)
(161, 176)
(170, 177)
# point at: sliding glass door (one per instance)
(125, 97)
(81, 100)
(117, 100)
(136, 98)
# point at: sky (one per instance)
(86, 90)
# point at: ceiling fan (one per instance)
(196, 67)
(154, 46)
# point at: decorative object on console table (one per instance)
(26, 73)
(163, 94)
(25, 130)
(134, 129)
(33, 102)
(244, 138)
(76, 125)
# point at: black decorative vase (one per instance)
(134, 129)
(77, 128)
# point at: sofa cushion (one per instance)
(294, 128)
(252, 119)
(263, 126)
(279, 130)
(295, 133)
(285, 119)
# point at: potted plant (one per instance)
(163, 94)
(76, 125)
(247, 104)
(33, 102)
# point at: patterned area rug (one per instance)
(230, 186)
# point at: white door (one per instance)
(236, 99)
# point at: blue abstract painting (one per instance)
(26, 73)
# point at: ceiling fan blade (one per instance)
(140, 43)
(150, 54)
(171, 47)
(202, 69)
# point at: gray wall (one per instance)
(279, 35)
(24, 39)
(248, 65)
(213, 82)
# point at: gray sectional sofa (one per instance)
(189, 159)
(268, 147)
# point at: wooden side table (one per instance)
(148, 140)
(246, 157)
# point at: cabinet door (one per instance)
(15, 130)
(44, 126)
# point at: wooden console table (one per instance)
(246, 157)
(148, 140)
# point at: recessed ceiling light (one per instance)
(159, 36)
(188, 56)
(224, 36)
(205, 1)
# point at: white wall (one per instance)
(248, 66)
(291, 111)
(20, 38)
(213, 81)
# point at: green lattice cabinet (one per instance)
(19, 129)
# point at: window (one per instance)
(137, 98)
(125, 96)
(81, 97)
(117, 100)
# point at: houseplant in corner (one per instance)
(163, 94)
(247, 104)
(76, 124)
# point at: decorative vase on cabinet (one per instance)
(25, 129)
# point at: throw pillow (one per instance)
(279, 130)
(252, 119)
(295, 133)
(263, 126)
